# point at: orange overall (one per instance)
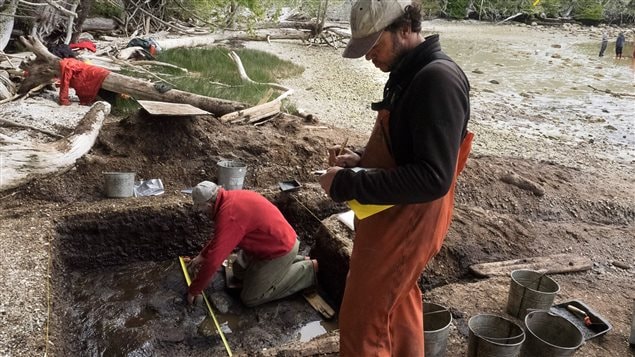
(381, 312)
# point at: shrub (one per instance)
(105, 9)
(457, 9)
(588, 11)
(551, 8)
(430, 8)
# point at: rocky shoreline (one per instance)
(510, 119)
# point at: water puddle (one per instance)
(316, 328)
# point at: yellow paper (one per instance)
(363, 211)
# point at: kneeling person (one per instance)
(268, 262)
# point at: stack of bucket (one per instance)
(531, 295)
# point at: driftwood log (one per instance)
(99, 24)
(46, 66)
(24, 161)
(262, 110)
(7, 88)
(141, 89)
(551, 264)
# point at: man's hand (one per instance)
(193, 264)
(326, 180)
(191, 299)
(347, 158)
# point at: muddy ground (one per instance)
(86, 275)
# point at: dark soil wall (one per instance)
(104, 238)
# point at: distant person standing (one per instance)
(605, 43)
(633, 62)
(619, 45)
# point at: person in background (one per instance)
(619, 45)
(267, 263)
(604, 44)
(418, 147)
(633, 62)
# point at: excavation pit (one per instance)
(118, 289)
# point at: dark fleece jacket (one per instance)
(428, 97)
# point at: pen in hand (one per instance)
(342, 147)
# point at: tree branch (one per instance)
(60, 8)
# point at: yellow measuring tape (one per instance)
(209, 307)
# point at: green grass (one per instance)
(213, 73)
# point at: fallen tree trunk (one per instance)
(24, 161)
(99, 24)
(258, 35)
(7, 88)
(118, 83)
(141, 89)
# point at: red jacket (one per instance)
(84, 78)
(247, 220)
(87, 44)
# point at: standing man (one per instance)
(418, 147)
(619, 45)
(268, 263)
(604, 44)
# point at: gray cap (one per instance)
(369, 18)
(202, 193)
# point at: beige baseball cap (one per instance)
(202, 193)
(369, 18)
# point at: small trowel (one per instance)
(582, 314)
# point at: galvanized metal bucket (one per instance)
(550, 335)
(231, 174)
(494, 336)
(530, 289)
(436, 328)
(119, 184)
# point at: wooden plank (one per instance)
(551, 264)
(316, 301)
(170, 109)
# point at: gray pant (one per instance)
(268, 280)
(603, 47)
